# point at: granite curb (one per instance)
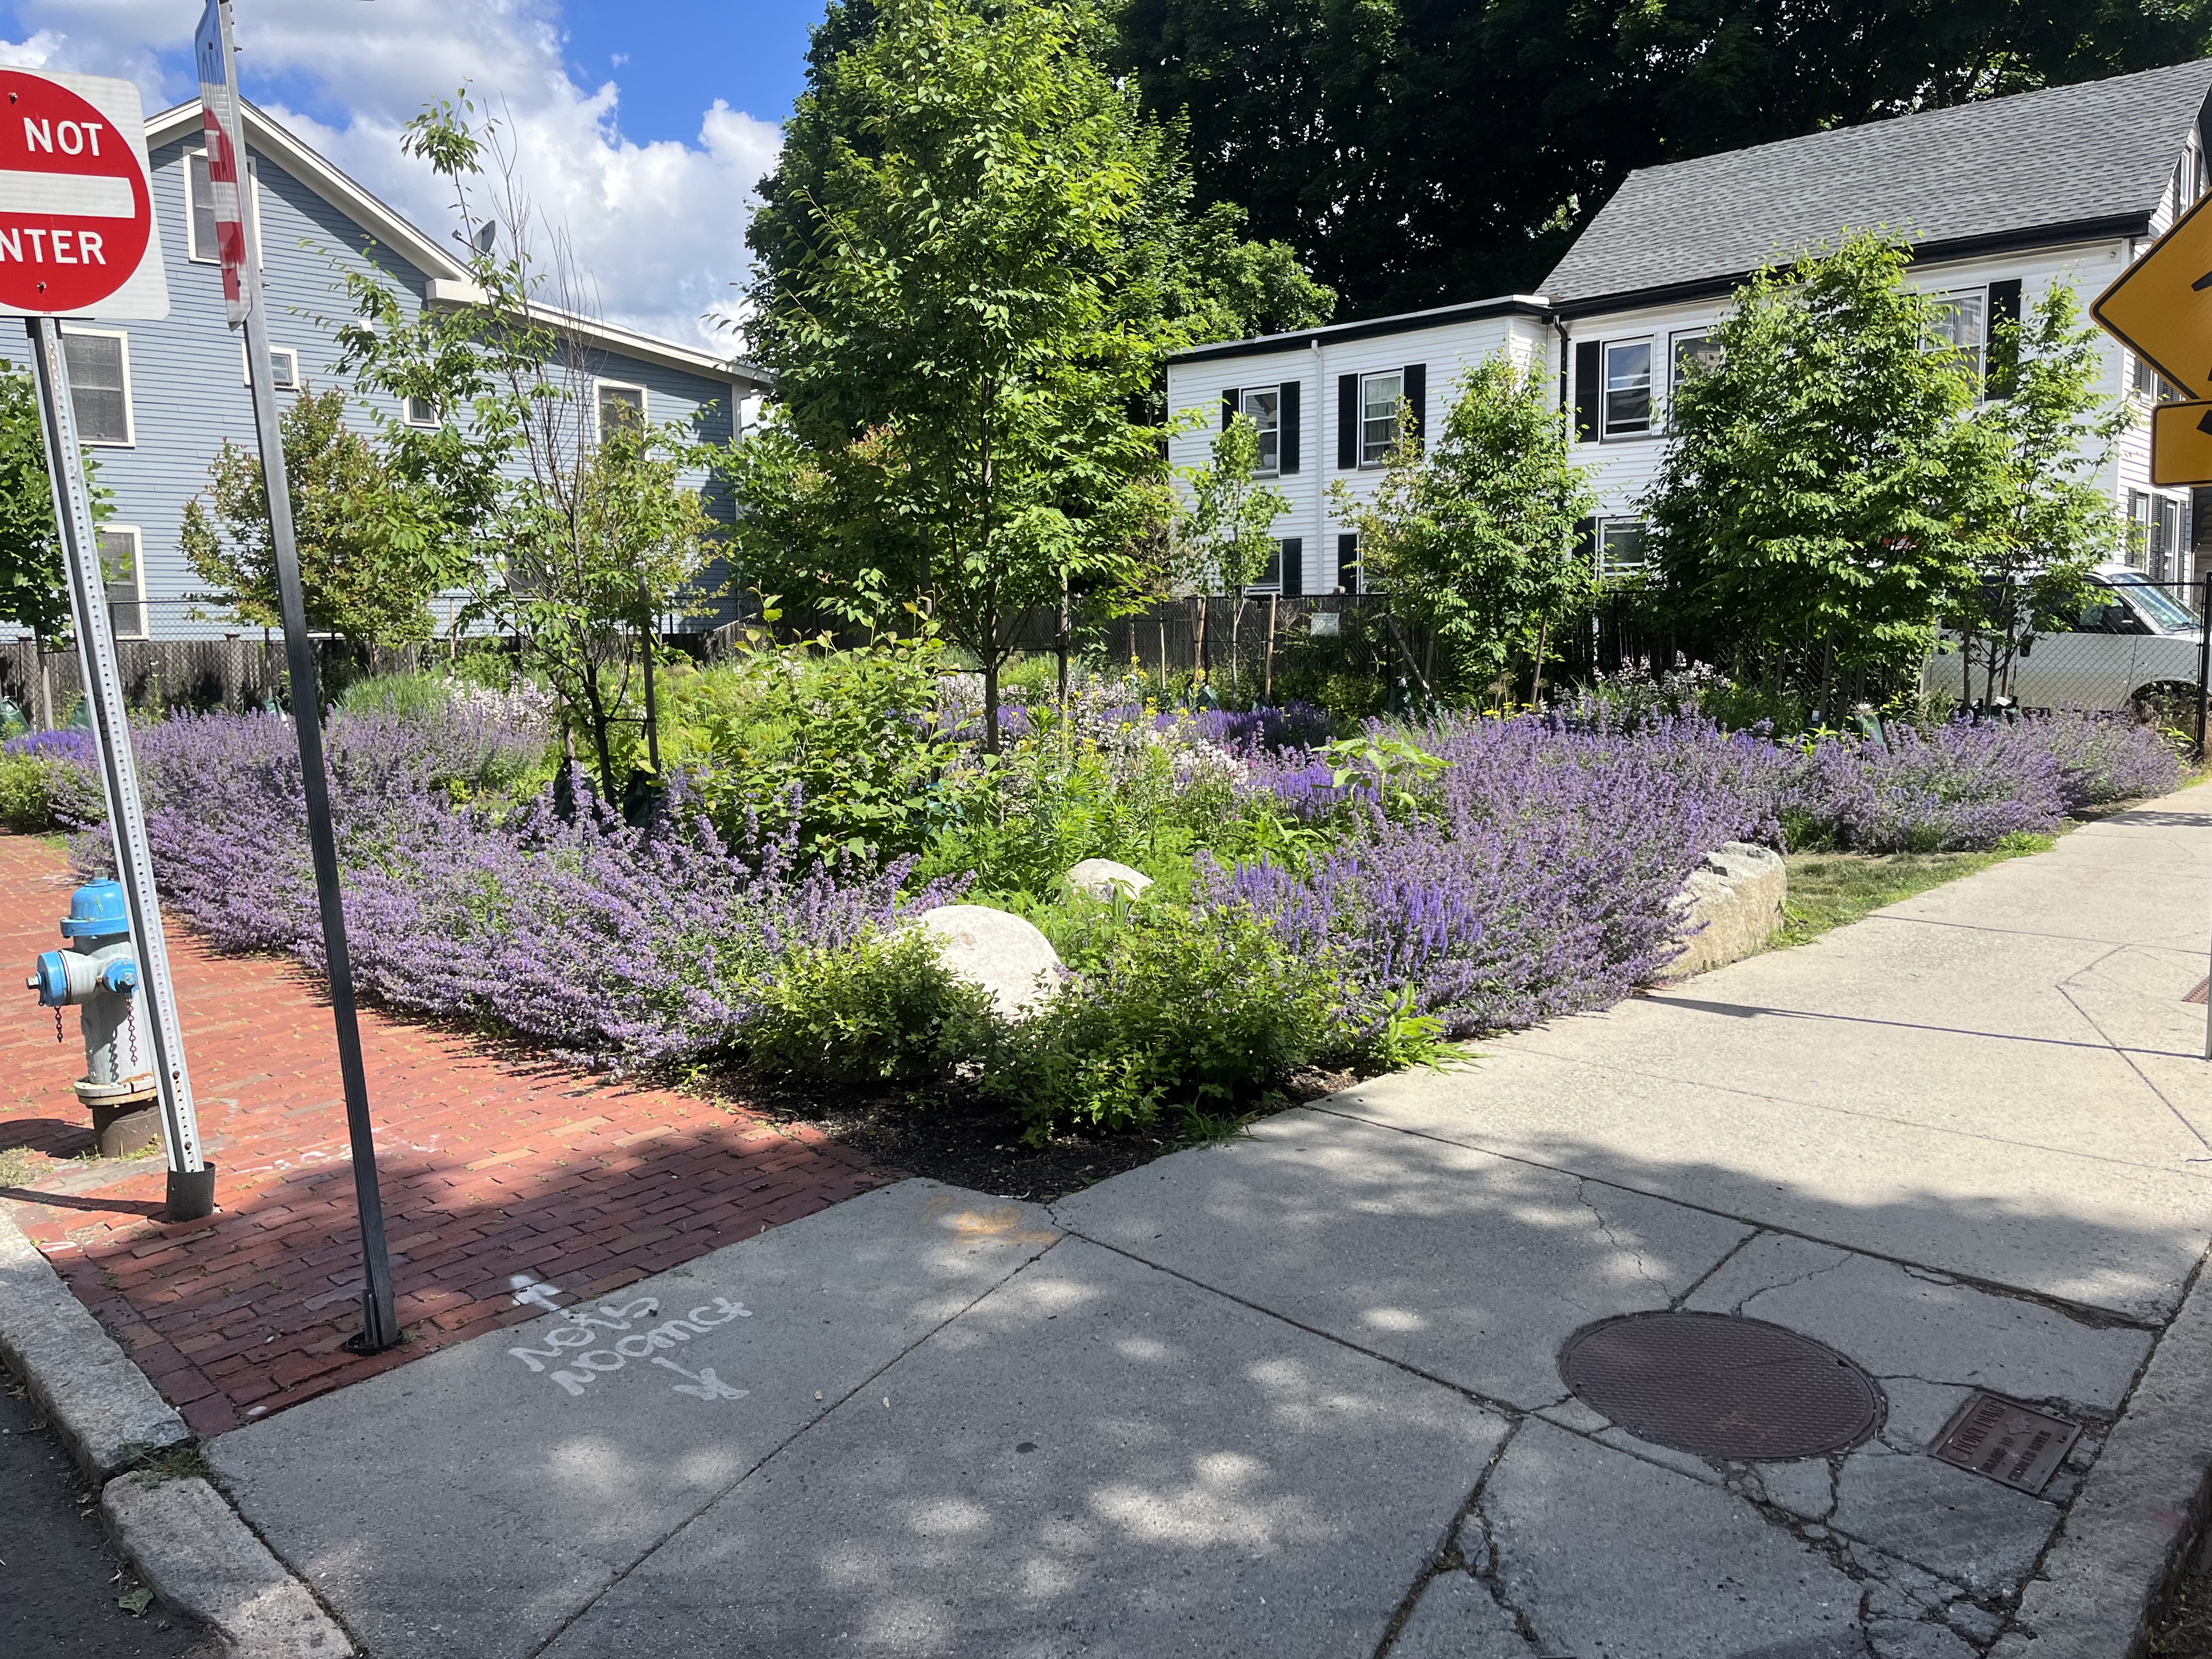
(179, 1534)
(2114, 1557)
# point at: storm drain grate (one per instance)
(1721, 1386)
(2201, 994)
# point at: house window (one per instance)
(1619, 546)
(619, 406)
(421, 411)
(1962, 325)
(1628, 389)
(2138, 548)
(125, 582)
(1688, 355)
(2165, 537)
(1379, 397)
(284, 366)
(1263, 407)
(99, 384)
(199, 208)
(1270, 578)
(2154, 386)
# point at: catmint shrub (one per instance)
(1178, 1012)
(883, 1009)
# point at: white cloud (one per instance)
(657, 229)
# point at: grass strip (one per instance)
(1828, 889)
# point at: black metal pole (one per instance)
(379, 1318)
(2203, 663)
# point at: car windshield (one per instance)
(2168, 613)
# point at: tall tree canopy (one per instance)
(973, 256)
(1420, 151)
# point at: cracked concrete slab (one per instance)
(1608, 1557)
(1457, 1618)
(1909, 1323)
(1963, 1526)
(1099, 1459)
(1470, 1267)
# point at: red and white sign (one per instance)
(226, 152)
(76, 211)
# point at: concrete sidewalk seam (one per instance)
(2102, 1576)
(2080, 1313)
(783, 1446)
(1796, 1104)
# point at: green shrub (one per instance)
(26, 795)
(398, 696)
(1175, 1011)
(884, 1010)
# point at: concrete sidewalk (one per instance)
(1301, 1394)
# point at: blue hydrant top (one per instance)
(96, 908)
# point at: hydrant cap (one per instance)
(49, 979)
(96, 908)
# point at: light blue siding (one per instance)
(187, 383)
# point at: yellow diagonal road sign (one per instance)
(2181, 444)
(2161, 307)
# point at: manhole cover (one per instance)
(1721, 1386)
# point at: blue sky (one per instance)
(639, 128)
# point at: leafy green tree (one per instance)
(973, 257)
(1227, 537)
(33, 592)
(577, 536)
(1809, 515)
(1417, 154)
(1477, 542)
(2039, 522)
(367, 568)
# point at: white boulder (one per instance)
(1102, 879)
(996, 949)
(1735, 899)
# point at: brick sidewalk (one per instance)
(492, 1165)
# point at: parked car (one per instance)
(2137, 645)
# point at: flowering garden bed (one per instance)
(1346, 903)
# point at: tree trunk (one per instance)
(650, 640)
(1268, 681)
(1061, 641)
(1825, 716)
(1198, 643)
(1543, 639)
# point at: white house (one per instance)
(1998, 200)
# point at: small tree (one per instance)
(2038, 522)
(578, 532)
(33, 593)
(1477, 541)
(1226, 534)
(1808, 514)
(369, 567)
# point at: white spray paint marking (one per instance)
(707, 1385)
(577, 1371)
(530, 1290)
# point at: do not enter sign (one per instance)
(76, 213)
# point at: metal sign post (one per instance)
(192, 1179)
(235, 242)
(78, 238)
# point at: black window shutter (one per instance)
(1586, 543)
(1228, 407)
(1286, 441)
(2003, 355)
(1294, 569)
(1347, 562)
(1416, 398)
(1590, 393)
(1347, 422)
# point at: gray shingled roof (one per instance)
(2064, 155)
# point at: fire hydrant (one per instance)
(98, 973)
